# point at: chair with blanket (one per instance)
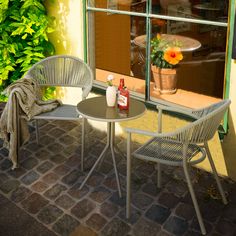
(62, 71)
(183, 147)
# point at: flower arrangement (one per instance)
(165, 54)
(109, 80)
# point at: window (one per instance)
(119, 35)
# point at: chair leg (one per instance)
(194, 199)
(37, 131)
(222, 193)
(128, 186)
(82, 144)
(158, 175)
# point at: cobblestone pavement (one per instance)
(46, 187)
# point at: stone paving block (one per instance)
(61, 170)
(100, 194)
(20, 194)
(176, 225)
(49, 214)
(83, 230)
(105, 168)
(177, 188)
(55, 148)
(39, 186)
(96, 221)
(225, 227)
(3, 178)
(57, 158)
(83, 208)
(72, 177)
(211, 210)
(185, 211)
(115, 227)
(134, 216)
(9, 185)
(117, 200)
(65, 225)
(16, 173)
(44, 167)
(145, 227)
(230, 212)
(29, 163)
(73, 161)
(75, 192)
(146, 168)
(34, 203)
(4, 152)
(110, 182)
(195, 226)
(168, 200)
(151, 189)
(5, 165)
(46, 140)
(141, 201)
(65, 201)
(95, 179)
(56, 132)
(55, 191)
(50, 178)
(42, 154)
(30, 177)
(67, 139)
(33, 146)
(158, 213)
(109, 209)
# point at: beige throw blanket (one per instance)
(26, 93)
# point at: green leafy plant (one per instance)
(24, 28)
(165, 54)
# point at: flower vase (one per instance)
(165, 79)
(111, 96)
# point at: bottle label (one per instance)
(122, 100)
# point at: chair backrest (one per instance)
(204, 128)
(62, 70)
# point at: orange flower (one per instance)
(173, 55)
(158, 36)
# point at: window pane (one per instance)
(122, 5)
(115, 51)
(216, 10)
(203, 47)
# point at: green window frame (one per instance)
(148, 15)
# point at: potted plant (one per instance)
(165, 57)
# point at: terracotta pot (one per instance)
(165, 79)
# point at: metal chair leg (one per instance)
(37, 131)
(82, 144)
(114, 159)
(158, 175)
(222, 193)
(128, 186)
(194, 199)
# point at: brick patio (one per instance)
(44, 191)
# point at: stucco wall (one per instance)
(229, 143)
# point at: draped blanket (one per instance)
(24, 100)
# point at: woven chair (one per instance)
(63, 71)
(185, 146)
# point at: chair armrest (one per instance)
(187, 112)
(139, 131)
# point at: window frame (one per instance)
(89, 53)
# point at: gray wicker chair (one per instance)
(186, 146)
(63, 71)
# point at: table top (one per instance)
(186, 44)
(96, 109)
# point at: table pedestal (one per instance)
(110, 144)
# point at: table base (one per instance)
(110, 144)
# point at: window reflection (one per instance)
(200, 9)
